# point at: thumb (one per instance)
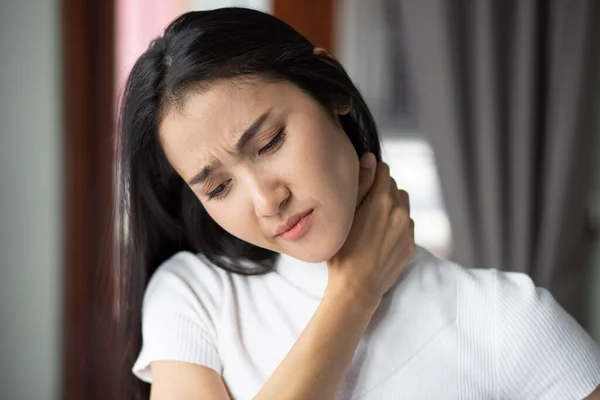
(366, 176)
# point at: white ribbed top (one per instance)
(442, 332)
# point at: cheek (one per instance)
(327, 172)
(233, 218)
(311, 155)
(330, 159)
(237, 217)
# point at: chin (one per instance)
(315, 258)
(321, 250)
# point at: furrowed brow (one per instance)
(246, 137)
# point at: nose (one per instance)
(268, 196)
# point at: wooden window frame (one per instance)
(88, 340)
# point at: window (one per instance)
(369, 45)
(412, 165)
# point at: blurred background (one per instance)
(488, 110)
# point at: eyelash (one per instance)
(271, 147)
(275, 143)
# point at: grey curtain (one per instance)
(505, 92)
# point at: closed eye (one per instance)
(275, 143)
(220, 191)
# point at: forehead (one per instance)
(215, 117)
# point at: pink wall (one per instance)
(138, 22)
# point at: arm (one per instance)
(378, 246)
(595, 395)
(313, 369)
(316, 365)
(185, 381)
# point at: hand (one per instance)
(366, 176)
(380, 241)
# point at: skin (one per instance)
(262, 189)
(315, 167)
(317, 363)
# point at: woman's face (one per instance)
(259, 154)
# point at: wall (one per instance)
(595, 261)
(30, 200)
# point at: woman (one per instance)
(280, 254)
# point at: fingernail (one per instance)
(368, 161)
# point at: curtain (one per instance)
(505, 93)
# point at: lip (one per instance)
(291, 222)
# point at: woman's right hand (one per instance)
(380, 242)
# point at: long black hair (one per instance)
(158, 214)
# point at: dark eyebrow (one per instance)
(247, 136)
(203, 175)
(251, 132)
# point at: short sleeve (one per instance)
(542, 352)
(177, 324)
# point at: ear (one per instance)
(319, 51)
(343, 108)
(325, 56)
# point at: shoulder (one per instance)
(186, 289)
(181, 313)
(186, 277)
(485, 290)
(188, 268)
(187, 285)
(538, 350)
(536, 335)
(458, 284)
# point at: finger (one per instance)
(405, 199)
(398, 227)
(366, 176)
(399, 248)
(394, 192)
(381, 184)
